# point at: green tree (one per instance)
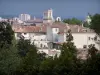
(9, 59)
(92, 51)
(31, 59)
(95, 23)
(6, 34)
(23, 46)
(73, 21)
(85, 24)
(67, 58)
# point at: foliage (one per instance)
(85, 24)
(9, 59)
(23, 46)
(29, 63)
(31, 59)
(67, 58)
(69, 36)
(73, 21)
(6, 34)
(95, 23)
(92, 51)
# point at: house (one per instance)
(35, 34)
(82, 37)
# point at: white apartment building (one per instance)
(24, 17)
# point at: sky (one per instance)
(61, 8)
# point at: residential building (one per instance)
(83, 37)
(24, 17)
(32, 33)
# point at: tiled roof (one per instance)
(62, 28)
(77, 29)
(80, 29)
(29, 29)
(60, 25)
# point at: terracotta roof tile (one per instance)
(29, 29)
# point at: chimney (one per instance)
(82, 25)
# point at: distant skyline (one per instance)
(62, 8)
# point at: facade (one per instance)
(24, 17)
(82, 37)
(32, 33)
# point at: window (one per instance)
(41, 45)
(44, 46)
(25, 33)
(56, 29)
(18, 34)
(84, 46)
(92, 38)
(89, 38)
(95, 38)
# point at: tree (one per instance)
(6, 34)
(67, 59)
(23, 46)
(95, 23)
(91, 65)
(92, 51)
(31, 59)
(69, 36)
(73, 21)
(9, 59)
(85, 24)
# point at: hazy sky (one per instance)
(63, 8)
